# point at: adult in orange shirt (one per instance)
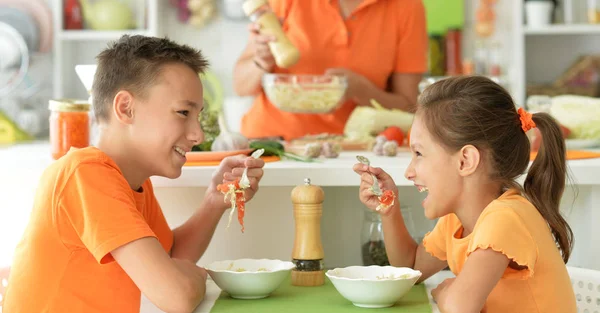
(380, 45)
(97, 236)
(507, 244)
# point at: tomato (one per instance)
(387, 198)
(394, 133)
(536, 137)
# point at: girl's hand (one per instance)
(386, 182)
(438, 292)
(260, 44)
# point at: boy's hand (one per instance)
(230, 169)
(365, 195)
(191, 269)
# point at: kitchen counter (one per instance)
(325, 172)
(269, 217)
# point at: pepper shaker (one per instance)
(307, 253)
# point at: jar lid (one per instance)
(68, 105)
(250, 6)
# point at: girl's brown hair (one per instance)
(474, 110)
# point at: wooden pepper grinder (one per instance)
(308, 254)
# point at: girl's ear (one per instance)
(469, 158)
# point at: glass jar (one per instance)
(372, 241)
(284, 52)
(69, 126)
(593, 11)
(453, 52)
(436, 56)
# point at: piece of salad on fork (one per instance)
(234, 192)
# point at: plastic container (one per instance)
(69, 126)
(284, 52)
(593, 11)
(539, 13)
(314, 94)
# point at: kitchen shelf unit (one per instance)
(541, 55)
(72, 47)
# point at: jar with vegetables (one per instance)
(372, 241)
(69, 125)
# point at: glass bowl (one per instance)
(312, 94)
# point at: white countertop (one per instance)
(32, 159)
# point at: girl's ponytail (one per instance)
(545, 181)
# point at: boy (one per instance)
(97, 236)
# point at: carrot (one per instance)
(234, 194)
(241, 207)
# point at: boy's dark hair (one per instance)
(134, 63)
(474, 110)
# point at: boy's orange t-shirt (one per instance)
(83, 210)
(379, 38)
(512, 226)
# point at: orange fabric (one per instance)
(84, 209)
(379, 38)
(267, 159)
(573, 155)
(526, 118)
(513, 226)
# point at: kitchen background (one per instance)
(533, 47)
(495, 38)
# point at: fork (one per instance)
(244, 181)
(375, 187)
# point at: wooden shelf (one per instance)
(94, 35)
(564, 29)
(65, 42)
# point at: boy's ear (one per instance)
(469, 158)
(123, 107)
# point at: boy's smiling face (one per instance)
(165, 123)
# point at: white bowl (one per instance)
(373, 286)
(249, 278)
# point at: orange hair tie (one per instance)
(526, 118)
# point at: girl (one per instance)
(506, 244)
